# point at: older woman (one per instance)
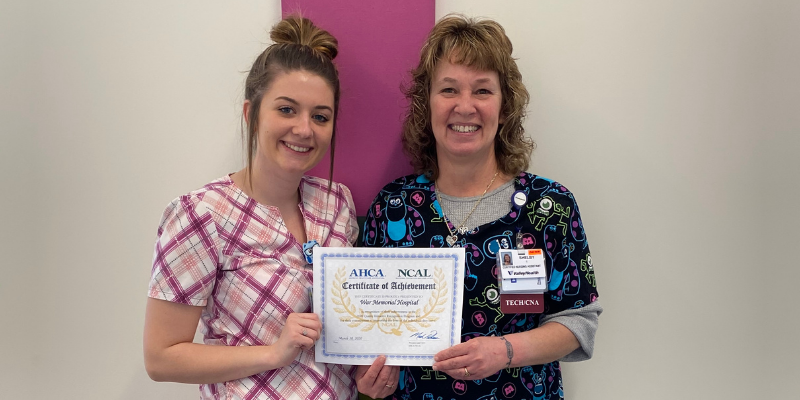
(465, 138)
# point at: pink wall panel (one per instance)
(379, 43)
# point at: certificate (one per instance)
(401, 303)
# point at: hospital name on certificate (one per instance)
(369, 287)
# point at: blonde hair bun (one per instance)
(301, 31)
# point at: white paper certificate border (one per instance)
(322, 279)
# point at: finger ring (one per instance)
(466, 371)
(304, 332)
(390, 386)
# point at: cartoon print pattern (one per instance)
(406, 213)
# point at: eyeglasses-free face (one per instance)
(465, 111)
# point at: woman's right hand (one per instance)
(377, 380)
(300, 332)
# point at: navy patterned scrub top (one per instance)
(406, 214)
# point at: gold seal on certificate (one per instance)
(401, 303)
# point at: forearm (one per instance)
(170, 355)
(542, 345)
(201, 363)
(583, 323)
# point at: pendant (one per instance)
(462, 230)
(451, 240)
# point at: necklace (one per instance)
(452, 237)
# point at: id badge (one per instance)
(522, 280)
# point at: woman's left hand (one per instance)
(477, 358)
(377, 380)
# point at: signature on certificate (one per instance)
(425, 335)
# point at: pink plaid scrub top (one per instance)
(219, 249)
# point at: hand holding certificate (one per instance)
(402, 303)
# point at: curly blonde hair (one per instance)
(483, 45)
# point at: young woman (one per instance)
(231, 254)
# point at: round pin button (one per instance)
(519, 198)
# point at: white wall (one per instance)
(675, 123)
(114, 109)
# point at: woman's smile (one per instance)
(298, 149)
(464, 128)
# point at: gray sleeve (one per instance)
(583, 324)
